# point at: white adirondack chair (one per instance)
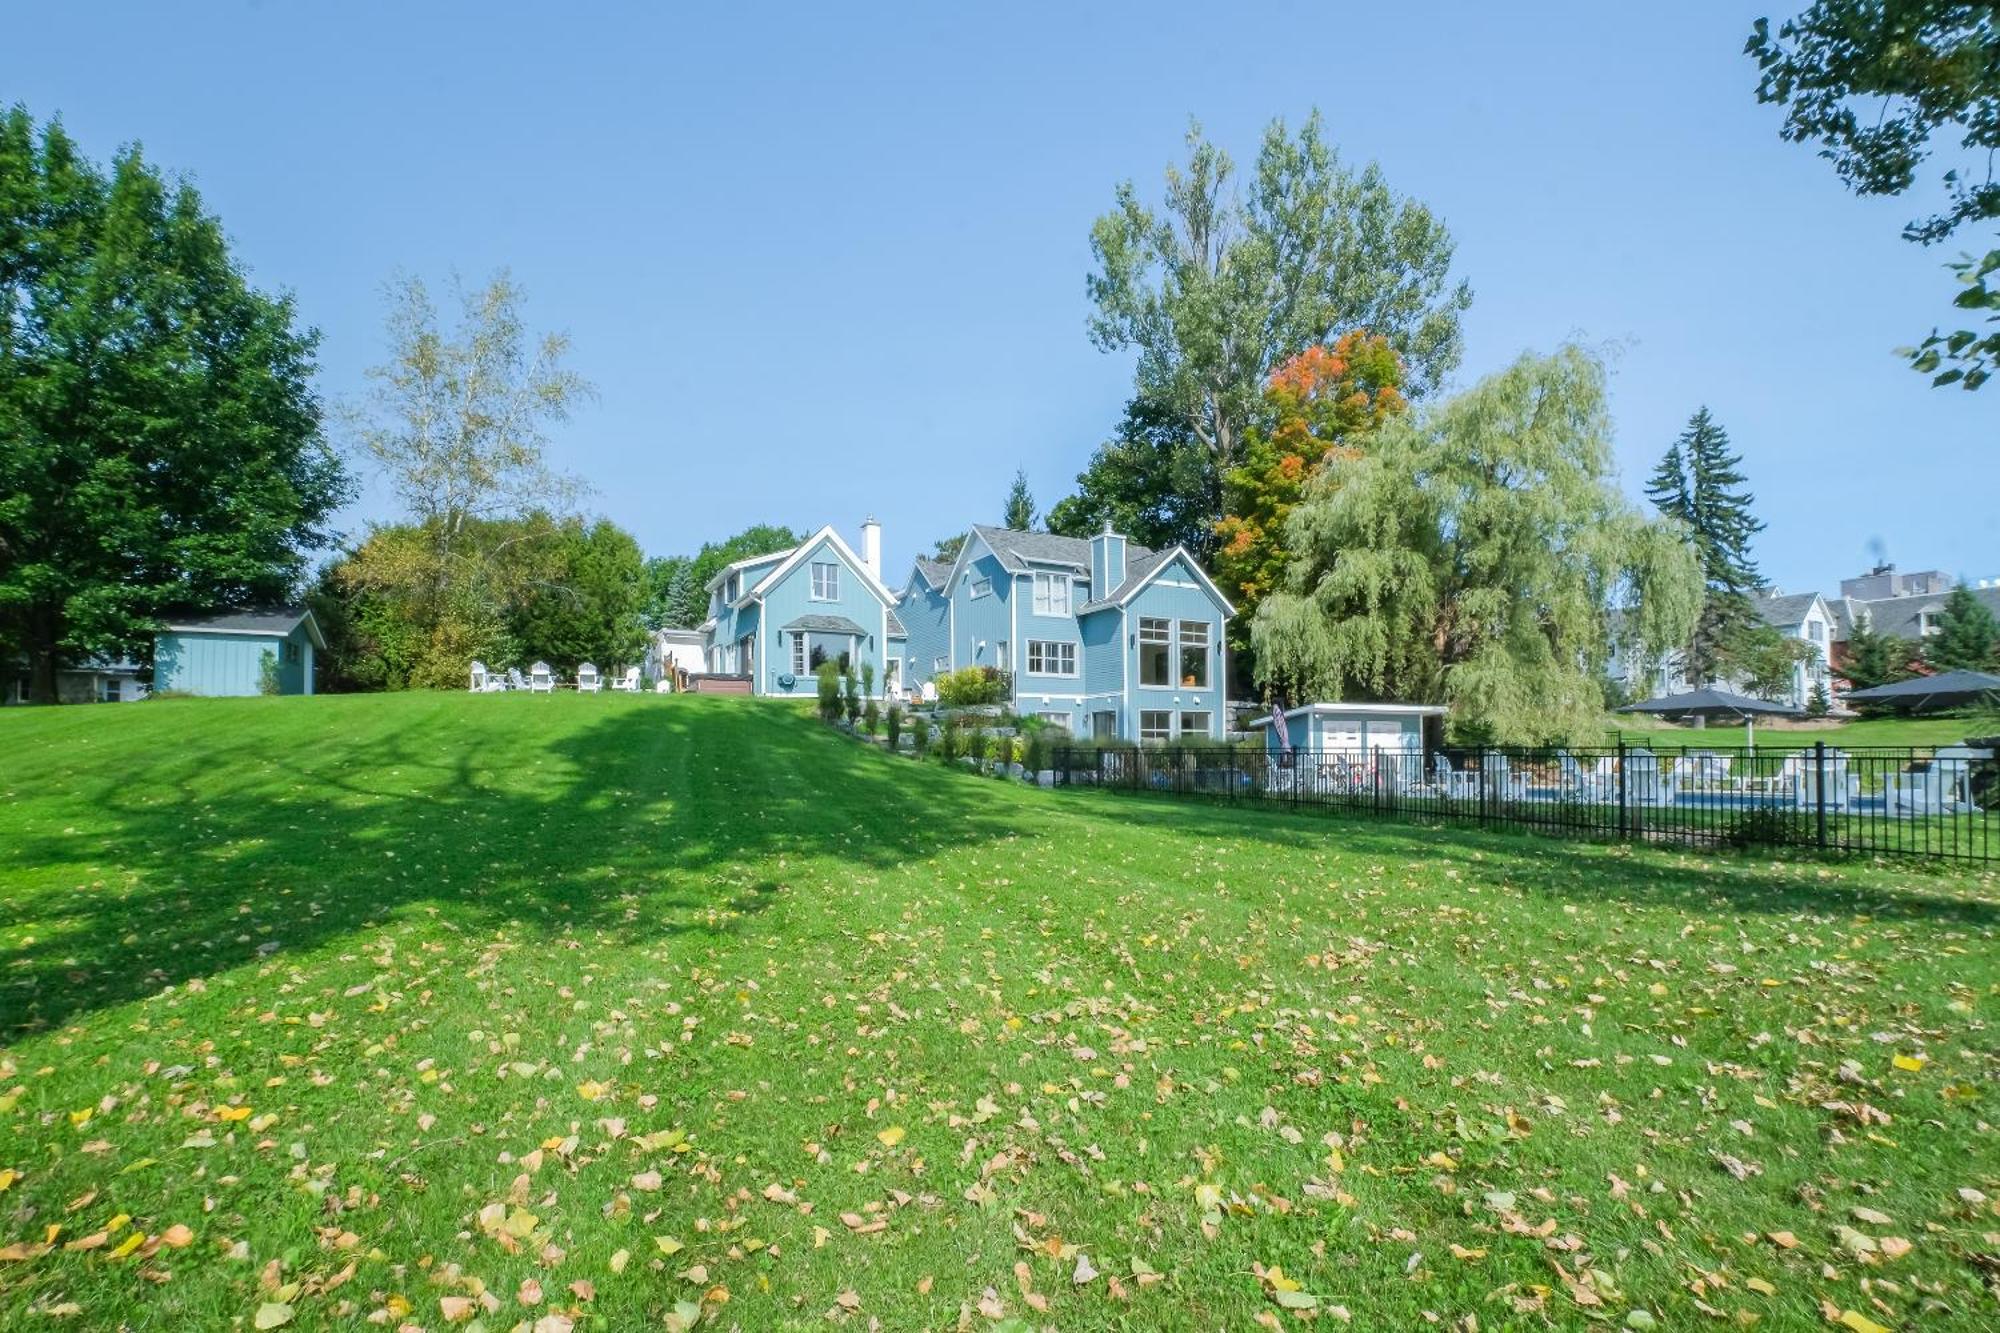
(1804, 771)
(587, 679)
(515, 680)
(629, 682)
(930, 692)
(1502, 783)
(1645, 783)
(1595, 784)
(541, 680)
(480, 678)
(1944, 787)
(1704, 768)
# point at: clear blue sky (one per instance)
(830, 259)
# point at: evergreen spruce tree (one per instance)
(1019, 513)
(1873, 658)
(686, 598)
(1700, 483)
(1968, 636)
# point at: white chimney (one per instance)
(871, 546)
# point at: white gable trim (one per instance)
(806, 548)
(745, 563)
(1178, 553)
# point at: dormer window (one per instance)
(1051, 594)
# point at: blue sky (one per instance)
(829, 260)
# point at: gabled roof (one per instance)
(745, 563)
(933, 572)
(1143, 571)
(1783, 611)
(276, 622)
(896, 630)
(1903, 616)
(799, 552)
(823, 624)
(1025, 552)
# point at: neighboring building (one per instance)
(92, 682)
(1804, 616)
(774, 618)
(668, 649)
(1358, 728)
(1103, 637)
(1905, 605)
(238, 653)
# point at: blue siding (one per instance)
(1176, 594)
(792, 598)
(229, 665)
(925, 614)
(982, 624)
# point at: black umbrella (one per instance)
(1944, 690)
(1707, 703)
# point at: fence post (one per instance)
(1819, 789)
(1624, 806)
(1479, 758)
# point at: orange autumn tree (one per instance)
(1317, 406)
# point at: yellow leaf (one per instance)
(1908, 1063)
(1860, 1322)
(891, 1136)
(668, 1245)
(591, 1090)
(1760, 1286)
(232, 1113)
(273, 1314)
(129, 1244)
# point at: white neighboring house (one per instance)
(1805, 616)
(670, 648)
(91, 682)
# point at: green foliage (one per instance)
(1967, 635)
(827, 677)
(976, 741)
(1155, 482)
(160, 442)
(671, 590)
(1471, 557)
(583, 599)
(950, 744)
(755, 540)
(1226, 282)
(1878, 86)
(268, 682)
(1766, 661)
(868, 679)
(1035, 753)
(895, 725)
(1699, 485)
(970, 686)
(1018, 513)
(871, 716)
(1874, 658)
(852, 701)
(1818, 702)
(947, 548)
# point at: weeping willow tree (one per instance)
(1473, 557)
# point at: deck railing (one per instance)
(1881, 800)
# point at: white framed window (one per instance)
(826, 581)
(982, 588)
(1194, 654)
(1194, 724)
(940, 663)
(1051, 594)
(1156, 725)
(1060, 720)
(1047, 658)
(798, 652)
(1156, 651)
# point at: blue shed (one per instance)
(238, 653)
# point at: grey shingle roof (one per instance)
(1136, 570)
(1782, 612)
(934, 572)
(896, 630)
(1902, 616)
(825, 625)
(1018, 549)
(267, 620)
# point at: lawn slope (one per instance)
(614, 1012)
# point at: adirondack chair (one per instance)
(541, 680)
(629, 682)
(480, 683)
(587, 679)
(1645, 783)
(1703, 768)
(930, 692)
(1942, 788)
(1458, 784)
(1596, 784)
(515, 680)
(1803, 773)
(1502, 783)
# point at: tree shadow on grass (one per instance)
(661, 818)
(1702, 879)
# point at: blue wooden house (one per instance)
(1103, 637)
(774, 618)
(238, 653)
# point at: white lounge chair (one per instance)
(1595, 784)
(587, 679)
(541, 680)
(480, 678)
(930, 692)
(1806, 770)
(1458, 784)
(514, 680)
(1502, 783)
(1943, 787)
(1706, 768)
(629, 682)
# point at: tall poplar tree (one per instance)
(160, 443)
(1700, 484)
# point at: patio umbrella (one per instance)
(1947, 689)
(1707, 703)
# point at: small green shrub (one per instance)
(920, 736)
(951, 742)
(975, 744)
(895, 720)
(871, 717)
(829, 691)
(970, 687)
(853, 700)
(267, 673)
(868, 679)
(1034, 753)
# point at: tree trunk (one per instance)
(42, 660)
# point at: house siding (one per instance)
(792, 598)
(229, 665)
(925, 614)
(981, 624)
(1176, 594)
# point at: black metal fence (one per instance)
(1891, 801)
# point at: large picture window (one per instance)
(1051, 594)
(1051, 659)
(1156, 651)
(1194, 654)
(826, 581)
(1156, 725)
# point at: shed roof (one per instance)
(1355, 710)
(274, 621)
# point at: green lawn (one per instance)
(507, 1009)
(1897, 731)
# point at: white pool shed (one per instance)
(1362, 728)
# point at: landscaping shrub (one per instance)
(975, 744)
(871, 714)
(895, 725)
(950, 744)
(829, 692)
(920, 736)
(853, 700)
(868, 679)
(969, 687)
(1035, 755)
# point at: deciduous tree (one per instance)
(1471, 556)
(1155, 482)
(1967, 638)
(160, 442)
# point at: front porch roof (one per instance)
(825, 625)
